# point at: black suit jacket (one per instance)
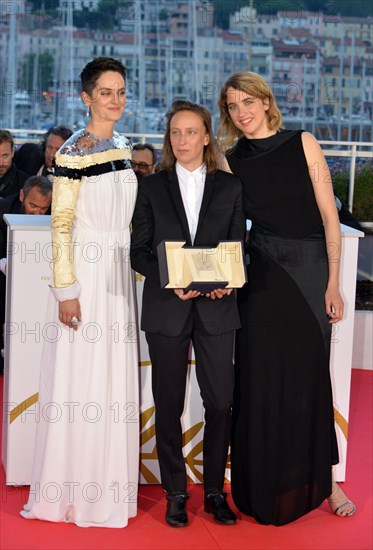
(29, 158)
(12, 181)
(10, 205)
(160, 215)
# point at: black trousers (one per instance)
(215, 375)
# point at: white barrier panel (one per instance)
(342, 342)
(29, 272)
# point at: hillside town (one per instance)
(320, 66)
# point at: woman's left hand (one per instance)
(69, 313)
(333, 304)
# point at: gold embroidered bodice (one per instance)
(83, 156)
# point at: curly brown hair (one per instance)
(254, 85)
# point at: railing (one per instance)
(345, 149)
(350, 151)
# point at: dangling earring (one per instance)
(88, 112)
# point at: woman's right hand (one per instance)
(67, 311)
(187, 295)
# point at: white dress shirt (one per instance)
(192, 186)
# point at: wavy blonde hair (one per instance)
(255, 86)
(209, 154)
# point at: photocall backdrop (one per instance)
(28, 276)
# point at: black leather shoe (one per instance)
(216, 504)
(176, 515)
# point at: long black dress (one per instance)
(284, 441)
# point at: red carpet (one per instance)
(318, 530)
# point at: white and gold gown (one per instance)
(86, 458)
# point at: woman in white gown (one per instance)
(87, 445)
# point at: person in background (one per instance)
(11, 178)
(34, 198)
(345, 215)
(53, 141)
(283, 442)
(144, 160)
(37, 159)
(29, 158)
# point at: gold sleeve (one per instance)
(65, 193)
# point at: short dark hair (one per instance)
(94, 69)
(41, 182)
(61, 131)
(209, 154)
(6, 137)
(149, 146)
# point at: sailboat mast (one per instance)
(351, 84)
(195, 53)
(140, 66)
(12, 68)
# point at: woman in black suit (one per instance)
(188, 200)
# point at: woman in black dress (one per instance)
(283, 442)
